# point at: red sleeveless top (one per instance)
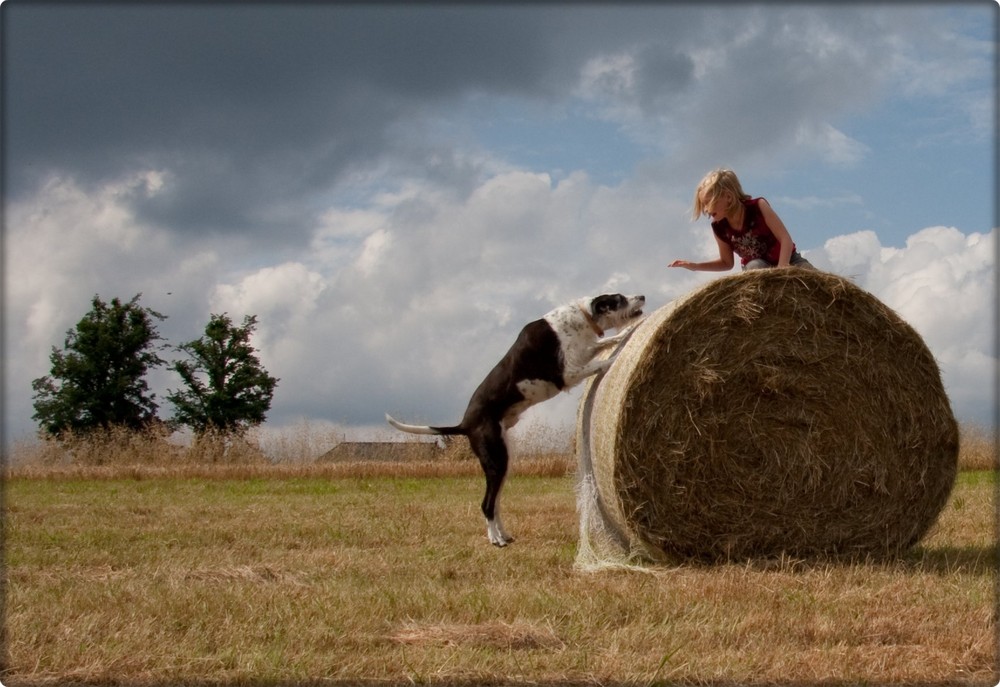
(754, 240)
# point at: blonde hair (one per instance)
(714, 184)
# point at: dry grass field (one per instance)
(252, 573)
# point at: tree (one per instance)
(227, 388)
(98, 380)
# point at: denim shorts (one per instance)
(795, 261)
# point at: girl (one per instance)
(742, 225)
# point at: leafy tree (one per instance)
(98, 380)
(228, 390)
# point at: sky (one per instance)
(394, 190)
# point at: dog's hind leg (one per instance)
(489, 446)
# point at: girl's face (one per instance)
(715, 207)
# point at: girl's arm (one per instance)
(780, 232)
(724, 263)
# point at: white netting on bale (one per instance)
(776, 412)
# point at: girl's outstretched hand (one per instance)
(686, 264)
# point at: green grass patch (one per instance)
(977, 477)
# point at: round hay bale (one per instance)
(776, 412)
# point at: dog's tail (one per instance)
(423, 429)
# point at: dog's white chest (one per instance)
(534, 391)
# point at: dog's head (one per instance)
(614, 311)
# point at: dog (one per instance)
(552, 354)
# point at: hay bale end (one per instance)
(775, 412)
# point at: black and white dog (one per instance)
(550, 355)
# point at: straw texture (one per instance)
(776, 412)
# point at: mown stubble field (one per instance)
(325, 576)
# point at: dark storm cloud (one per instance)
(254, 111)
(663, 74)
(245, 106)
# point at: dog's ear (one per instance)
(607, 303)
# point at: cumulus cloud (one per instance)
(942, 282)
(71, 244)
(831, 144)
(419, 305)
(271, 290)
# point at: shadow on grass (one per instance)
(948, 560)
(940, 560)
